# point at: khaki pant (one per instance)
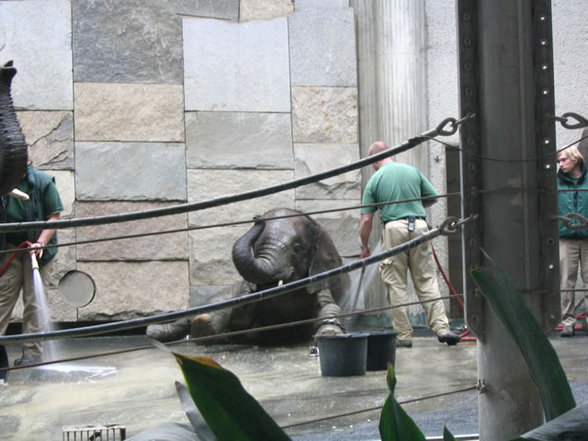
(421, 264)
(573, 255)
(19, 276)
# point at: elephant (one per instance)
(13, 147)
(282, 246)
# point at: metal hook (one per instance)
(453, 124)
(449, 226)
(580, 120)
(568, 219)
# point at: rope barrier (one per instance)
(440, 130)
(226, 335)
(377, 408)
(228, 224)
(494, 159)
(449, 226)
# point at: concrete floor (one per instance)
(136, 389)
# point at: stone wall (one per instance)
(141, 104)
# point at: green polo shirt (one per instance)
(395, 182)
(18, 210)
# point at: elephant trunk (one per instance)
(13, 148)
(258, 270)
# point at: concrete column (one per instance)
(391, 63)
(392, 92)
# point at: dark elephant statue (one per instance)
(282, 246)
(13, 148)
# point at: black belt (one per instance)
(408, 217)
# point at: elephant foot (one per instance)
(201, 326)
(169, 331)
(329, 327)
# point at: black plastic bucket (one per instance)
(343, 355)
(381, 350)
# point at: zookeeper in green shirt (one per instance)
(402, 222)
(44, 204)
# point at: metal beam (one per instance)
(508, 178)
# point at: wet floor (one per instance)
(136, 389)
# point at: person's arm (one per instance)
(44, 237)
(427, 191)
(365, 228)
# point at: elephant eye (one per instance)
(297, 248)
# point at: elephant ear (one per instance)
(326, 257)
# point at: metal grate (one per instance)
(109, 432)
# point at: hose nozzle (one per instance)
(34, 262)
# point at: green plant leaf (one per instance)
(395, 424)
(196, 419)
(447, 435)
(571, 426)
(545, 369)
(231, 413)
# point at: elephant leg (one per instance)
(328, 310)
(204, 325)
(217, 322)
(169, 331)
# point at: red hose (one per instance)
(22, 245)
(463, 335)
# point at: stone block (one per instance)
(65, 182)
(238, 140)
(265, 9)
(127, 290)
(325, 115)
(312, 159)
(236, 67)
(135, 41)
(204, 295)
(322, 47)
(36, 35)
(211, 255)
(129, 112)
(50, 138)
(173, 246)
(130, 171)
(231, 182)
(342, 223)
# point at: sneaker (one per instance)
(568, 331)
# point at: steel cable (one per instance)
(376, 408)
(225, 335)
(449, 226)
(441, 129)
